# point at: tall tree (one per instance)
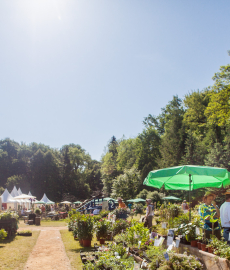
(218, 110)
(109, 165)
(173, 139)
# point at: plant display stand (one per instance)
(9, 225)
(38, 221)
(31, 222)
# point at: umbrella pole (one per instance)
(189, 194)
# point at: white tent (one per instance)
(14, 192)
(19, 192)
(29, 193)
(8, 199)
(45, 199)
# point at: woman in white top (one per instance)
(149, 214)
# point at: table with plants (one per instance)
(131, 246)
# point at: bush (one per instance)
(104, 213)
(102, 228)
(119, 226)
(138, 208)
(3, 234)
(38, 211)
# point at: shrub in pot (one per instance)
(86, 229)
(102, 229)
(119, 226)
(38, 212)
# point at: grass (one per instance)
(73, 247)
(14, 252)
(45, 223)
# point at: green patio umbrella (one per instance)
(171, 198)
(39, 202)
(136, 200)
(188, 177)
(77, 202)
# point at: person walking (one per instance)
(225, 216)
(149, 214)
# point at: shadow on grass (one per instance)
(8, 240)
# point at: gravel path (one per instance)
(49, 251)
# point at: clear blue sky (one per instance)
(81, 71)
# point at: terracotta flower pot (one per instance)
(81, 241)
(210, 250)
(194, 243)
(203, 247)
(102, 241)
(86, 243)
(199, 245)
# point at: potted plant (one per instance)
(199, 239)
(190, 234)
(38, 212)
(85, 230)
(102, 230)
(120, 213)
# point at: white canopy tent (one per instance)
(19, 192)
(46, 200)
(9, 200)
(14, 192)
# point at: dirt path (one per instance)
(49, 251)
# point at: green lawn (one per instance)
(15, 252)
(45, 223)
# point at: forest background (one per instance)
(193, 130)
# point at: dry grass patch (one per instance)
(15, 252)
(73, 248)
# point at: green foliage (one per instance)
(104, 213)
(220, 247)
(155, 196)
(38, 211)
(137, 232)
(102, 228)
(181, 262)
(138, 208)
(143, 194)
(127, 184)
(3, 234)
(218, 109)
(120, 225)
(85, 227)
(107, 260)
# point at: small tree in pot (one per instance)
(102, 229)
(86, 229)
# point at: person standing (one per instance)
(206, 209)
(149, 214)
(225, 216)
(184, 207)
(121, 203)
